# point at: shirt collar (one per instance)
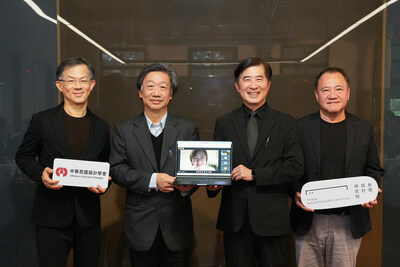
(161, 125)
(260, 111)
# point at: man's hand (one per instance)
(297, 199)
(165, 183)
(48, 182)
(99, 189)
(371, 204)
(241, 173)
(184, 188)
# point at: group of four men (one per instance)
(273, 157)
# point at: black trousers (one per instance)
(245, 248)
(54, 245)
(160, 256)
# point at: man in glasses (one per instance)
(66, 217)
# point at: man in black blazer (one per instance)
(336, 144)
(66, 217)
(254, 211)
(158, 215)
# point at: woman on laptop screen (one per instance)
(199, 159)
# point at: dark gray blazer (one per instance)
(133, 162)
(361, 159)
(46, 140)
(277, 163)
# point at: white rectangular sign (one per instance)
(81, 173)
(336, 193)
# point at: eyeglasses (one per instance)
(199, 159)
(71, 82)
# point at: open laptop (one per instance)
(203, 163)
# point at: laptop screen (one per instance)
(204, 158)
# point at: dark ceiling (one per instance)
(306, 24)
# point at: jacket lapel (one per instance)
(171, 133)
(239, 125)
(263, 137)
(351, 133)
(316, 138)
(57, 121)
(142, 134)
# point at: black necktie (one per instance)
(252, 132)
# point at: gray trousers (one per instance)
(329, 242)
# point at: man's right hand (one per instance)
(48, 182)
(165, 183)
(297, 198)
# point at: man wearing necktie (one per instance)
(267, 159)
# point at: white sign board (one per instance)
(81, 173)
(336, 193)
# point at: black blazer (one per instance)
(361, 159)
(133, 162)
(46, 140)
(277, 162)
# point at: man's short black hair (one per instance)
(173, 77)
(331, 70)
(250, 62)
(71, 62)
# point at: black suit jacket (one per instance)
(361, 159)
(46, 140)
(277, 162)
(133, 161)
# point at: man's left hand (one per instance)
(99, 189)
(371, 204)
(241, 173)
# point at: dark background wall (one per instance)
(203, 41)
(28, 59)
(391, 196)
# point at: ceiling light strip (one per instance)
(355, 25)
(87, 38)
(205, 63)
(40, 12)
